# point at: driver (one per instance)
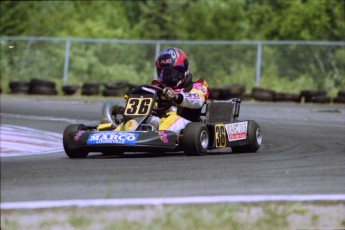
(176, 81)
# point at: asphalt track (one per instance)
(303, 152)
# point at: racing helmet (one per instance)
(172, 67)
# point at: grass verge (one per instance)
(260, 216)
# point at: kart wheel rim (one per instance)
(204, 139)
(258, 135)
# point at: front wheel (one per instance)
(195, 139)
(73, 153)
(254, 137)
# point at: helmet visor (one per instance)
(169, 76)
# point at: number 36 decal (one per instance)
(138, 106)
(220, 135)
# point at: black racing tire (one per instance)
(18, 84)
(90, 88)
(214, 93)
(261, 94)
(195, 139)
(237, 89)
(246, 97)
(70, 89)
(121, 84)
(39, 82)
(20, 90)
(341, 93)
(232, 91)
(73, 153)
(19, 87)
(319, 99)
(90, 85)
(254, 136)
(312, 95)
(287, 97)
(131, 86)
(113, 92)
(90, 91)
(339, 99)
(42, 90)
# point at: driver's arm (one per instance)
(195, 98)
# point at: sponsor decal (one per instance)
(78, 135)
(131, 125)
(237, 131)
(163, 136)
(191, 96)
(112, 138)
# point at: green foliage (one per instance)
(283, 67)
(177, 20)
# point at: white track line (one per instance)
(21, 141)
(44, 118)
(170, 201)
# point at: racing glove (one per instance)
(169, 94)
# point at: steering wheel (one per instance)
(166, 103)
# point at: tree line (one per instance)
(177, 20)
(284, 68)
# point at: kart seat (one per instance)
(222, 111)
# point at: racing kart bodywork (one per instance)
(128, 130)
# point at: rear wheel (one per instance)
(73, 153)
(195, 139)
(254, 136)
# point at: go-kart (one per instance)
(127, 129)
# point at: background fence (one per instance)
(288, 66)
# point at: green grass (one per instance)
(236, 216)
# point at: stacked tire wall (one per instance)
(122, 87)
(268, 95)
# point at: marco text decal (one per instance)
(112, 138)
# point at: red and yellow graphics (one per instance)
(237, 131)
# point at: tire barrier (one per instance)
(341, 93)
(340, 97)
(42, 87)
(89, 89)
(246, 97)
(232, 91)
(19, 87)
(227, 92)
(130, 87)
(214, 93)
(261, 94)
(70, 89)
(313, 96)
(118, 88)
(123, 87)
(287, 97)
